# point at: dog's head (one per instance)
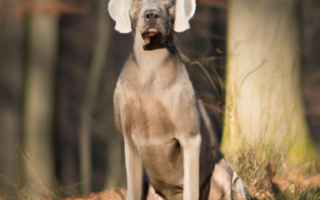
(154, 20)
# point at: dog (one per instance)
(170, 146)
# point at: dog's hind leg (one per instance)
(226, 185)
(239, 190)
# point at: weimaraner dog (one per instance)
(170, 148)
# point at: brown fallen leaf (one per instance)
(114, 194)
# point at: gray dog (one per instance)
(170, 147)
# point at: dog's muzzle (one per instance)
(153, 37)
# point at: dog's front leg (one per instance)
(134, 171)
(191, 160)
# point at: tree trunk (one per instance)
(11, 78)
(76, 38)
(118, 51)
(263, 91)
(39, 102)
(96, 69)
(311, 65)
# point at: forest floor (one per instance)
(264, 178)
(263, 183)
(264, 172)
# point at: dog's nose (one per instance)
(151, 15)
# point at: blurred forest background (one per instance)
(60, 60)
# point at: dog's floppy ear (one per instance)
(185, 10)
(119, 12)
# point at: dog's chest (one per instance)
(154, 112)
(149, 116)
(150, 122)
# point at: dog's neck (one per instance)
(149, 61)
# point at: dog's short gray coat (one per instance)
(165, 127)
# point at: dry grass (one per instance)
(266, 175)
(114, 194)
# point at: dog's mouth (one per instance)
(154, 39)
